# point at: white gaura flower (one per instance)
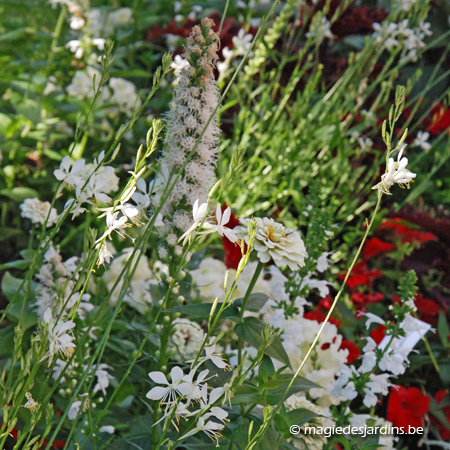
(72, 177)
(60, 341)
(222, 220)
(104, 254)
(171, 391)
(199, 214)
(274, 241)
(210, 428)
(421, 140)
(396, 173)
(31, 404)
(113, 224)
(216, 358)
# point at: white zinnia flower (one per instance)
(274, 241)
(37, 211)
(396, 173)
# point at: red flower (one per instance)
(361, 275)
(440, 120)
(378, 333)
(406, 407)
(360, 299)
(443, 430)
(375, 246)
(428, 309)
(406, 233)
(319, 317)
(353, 350)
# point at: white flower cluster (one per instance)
(390, 356)
(297, 335)
(120, 95)
(55, 287)
(138, 295)
(187, 340)
(209, 275)
(391, 35)
(184, 390)
(274, 241)
(37, 211)
(196, 97)
(92, 182)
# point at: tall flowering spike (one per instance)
(196, 97)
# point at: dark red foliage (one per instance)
(443, 430)
(361, 275)
(375, 246)
(357, 20)
(407, 407)
(434, 252)
(229, 29)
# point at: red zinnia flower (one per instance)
(406, 407)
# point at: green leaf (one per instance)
(282, 425)
(247, 393)
(195, 260)
(254, 303)
(443, 329)
(300, 416)
(10, 285)
(275, 389)
(202, 310)
(19, 194)
(250, 331)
